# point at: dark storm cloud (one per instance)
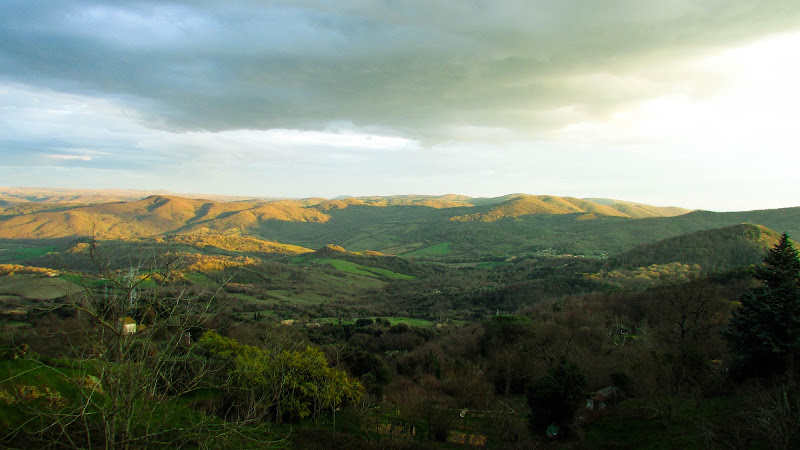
(418, 68)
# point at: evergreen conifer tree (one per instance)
(764, 332)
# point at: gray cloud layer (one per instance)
(429, 70)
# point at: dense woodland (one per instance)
(393, 326)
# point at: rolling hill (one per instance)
(471, 228)
(638, 210)
(153, 216)
(713, 250)
(160, 214)
(238, 244)
(16, 195)
(523, 205)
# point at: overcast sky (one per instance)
(692, 103)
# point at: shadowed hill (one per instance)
(161, 214)
(716, 249)
(519, 224)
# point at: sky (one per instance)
(691, 103)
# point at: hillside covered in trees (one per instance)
(401, 322)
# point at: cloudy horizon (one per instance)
(691, 104)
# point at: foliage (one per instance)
(642, 278)
(238, 244)
(441, 249)
(293, 384)
(12, 269)
(130, 354)
(494, 309)
(555, 397)
(776, 415)
(713, 250)
(12, 252)
(216, 263)
(765, 331)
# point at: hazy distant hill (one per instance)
(15, 195)
(439, 202)
(70, 196)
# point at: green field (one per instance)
(442, 249)
(35, 287)
(353, 268)
(491, 264)
(631, 427)
(12, 253)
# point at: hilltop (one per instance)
(448, 227)
(152, 216)
(716, 249)
(391, 290)
(163, 214)
(522, 205)
(17, 195)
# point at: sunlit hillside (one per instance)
(522, 205)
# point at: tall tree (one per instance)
(764, 332)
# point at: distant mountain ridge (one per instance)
(161, 214)
(523, 204)
(153, 216)
(448, 227)
(17, 195)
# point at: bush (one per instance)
(555, 397)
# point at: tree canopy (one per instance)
(764, 332)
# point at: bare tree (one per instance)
(134, 365)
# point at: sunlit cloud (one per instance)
(70, 157)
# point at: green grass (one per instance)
(26, 372)
(36, 287)
(442, 249)
(82, 281)
(631, 425)
(250, 298)
(302, 298)
(353, 268)
(171, 414)
(201, 279)
(10, 253)
(491, 264)
(422, 323)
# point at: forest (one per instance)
(523, 331)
